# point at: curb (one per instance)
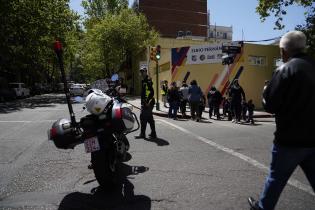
(165, 114)
(188, 116)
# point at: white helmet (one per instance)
(96, 102)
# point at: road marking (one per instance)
(25, 121)
(293, 182)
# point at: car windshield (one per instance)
(76, 86)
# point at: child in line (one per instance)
(250, 109)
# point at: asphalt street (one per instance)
(212, 164)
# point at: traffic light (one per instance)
(158, 52)
(153, 54)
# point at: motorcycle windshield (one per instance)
(102, 84)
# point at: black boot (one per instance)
(140, 136)
(152, 135)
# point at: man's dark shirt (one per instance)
(173, 95)
(236, 93)
(290, 95)
(214, 97)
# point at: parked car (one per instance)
(20, 89)
(77, 90)
(7, 94)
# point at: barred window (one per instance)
(257, 60)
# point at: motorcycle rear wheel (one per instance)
(104, 167)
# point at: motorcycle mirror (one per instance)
(78, 99)
(114, 77)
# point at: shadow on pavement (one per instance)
(249, 124)
(204, 121)
(182, 119)
(158, 141)
(121, 197)
(32, 103)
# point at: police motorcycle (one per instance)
(103, 132)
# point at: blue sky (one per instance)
(241, 15)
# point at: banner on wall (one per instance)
(201, 54)
(204, 54)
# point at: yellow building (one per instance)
(252, 66)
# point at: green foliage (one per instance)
(309, 30)
(28, 29)
(278, 8)
(97, 9)
(109, 42)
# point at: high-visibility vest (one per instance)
(147, 91)
(145, 86)
(163, 92)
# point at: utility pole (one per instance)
(157, 86)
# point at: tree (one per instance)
(110, 42)
(278, 7)
(97, 9)
(27, 31)
(309, 30)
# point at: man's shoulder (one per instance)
(295, 63)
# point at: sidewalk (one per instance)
(163, 111)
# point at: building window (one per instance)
(224, 36)
(257, 60)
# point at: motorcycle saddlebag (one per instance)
(64, 135)
(122, 117)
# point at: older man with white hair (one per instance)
(290, 95)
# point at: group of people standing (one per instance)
(234, 106)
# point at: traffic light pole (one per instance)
(157, 86)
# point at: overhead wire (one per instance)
(264, 40)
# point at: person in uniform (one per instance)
(164, 92)
(147, 104)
